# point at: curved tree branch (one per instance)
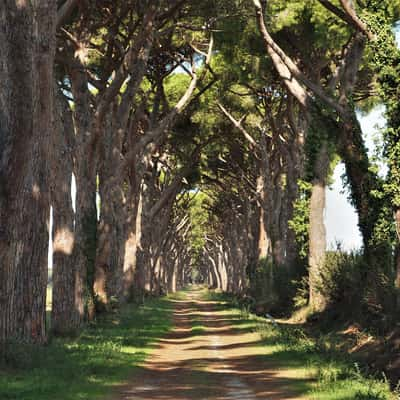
(65, 11)
(360, 25)
(289, 72)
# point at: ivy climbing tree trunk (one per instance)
(27, 48)
(364, 183)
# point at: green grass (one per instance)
(104, 355)
(197, 326)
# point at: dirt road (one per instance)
(210, 354)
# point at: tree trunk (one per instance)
(86, 212)
(108, 269)
(132, 234)
(264, 243)
(294, 173)
(64, 315)
(86, 243)
(109, 262)
(143, 257)
(317, 232)
(27, 47)
(397, 221)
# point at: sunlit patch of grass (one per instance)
(177, 296)
(103, 356)
(215, 295)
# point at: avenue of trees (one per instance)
(179, 141)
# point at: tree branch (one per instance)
(65, 11)
(238, 125)
(288, 70)
(338, 12)
(169, 119)
(171, 190)
(137, 54)
(360, 25)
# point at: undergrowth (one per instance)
(333, 375)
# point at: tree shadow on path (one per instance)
(220, 359)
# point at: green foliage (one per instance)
(199, 218)
(272, 288)
(386, 62)
(86, 368)
(302, 292)
(341, 278)
(358, 289)
(175, 86)
(300, 221)
(263, 285)
(317, 34)
(322, 131)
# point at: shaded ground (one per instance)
(210, 354)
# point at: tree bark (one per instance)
(27, 47)
(317, 231)
(64, 315)
(131, 239)
(109, 254)
(397, 221)
(86, 212)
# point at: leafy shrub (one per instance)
(370, 394)
(351, 283)
(302, 292)
(341, 277)
(272, 288)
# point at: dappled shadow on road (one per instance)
(211, 354)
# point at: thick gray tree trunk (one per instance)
(27, 47)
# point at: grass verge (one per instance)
(321, 372)
(104, 355)
(331, 375)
